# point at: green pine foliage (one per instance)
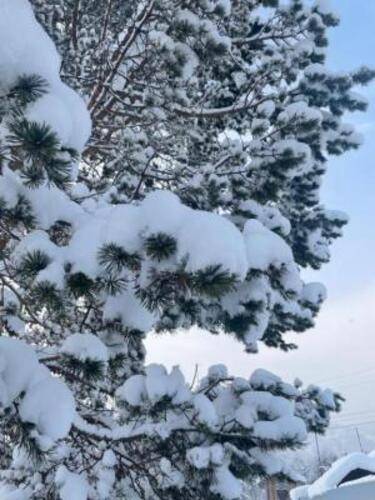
(236, 115)
(114, 258)
(160, 246)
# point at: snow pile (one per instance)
(106, 474)
(205, 410)
(127, 225)
(282, 424)
(300, 111)
(264, 380)
(170, 476)
(222, 404)
(202, 240)
(269, 216)
(239, 401)
(226, 484)
(200, 457)
(45, 401)
(85, 346)
(217, 372)
(28, 50)
(326, 8)
(314, 293)
(126, 307)
(333, 477)
(186, 19)
(207, 239)
(71, 486)
(10, 493)
(49, 404)
(154, 386)
(18, 366)
(264, 247)
(49, 204)
(176, 50)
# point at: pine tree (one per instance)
(194, 202)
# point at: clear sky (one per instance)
(340, 350)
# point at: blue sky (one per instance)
(350, 182)
(340, 350)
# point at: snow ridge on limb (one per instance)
(146, 258)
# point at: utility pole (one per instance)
(271, 490)
(318, 452)
(359, 439)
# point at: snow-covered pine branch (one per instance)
(195, 201)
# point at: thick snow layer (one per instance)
(126, 307)
(325, 7)
(199, 457)
(244, 416)
(217, 372)
(336, 215)
(71, 486)
(269, 216)
(85, 346)
(154, 386)
(226, 484)
(33, 52)
(217, 454)
(133, 390)
(49, 204)
(265, 247)
(330, 479)
(287, 427)
(206, 412)
(156, 382)
(208, 239)
(18, 365)
(265, 402)
(9, 493)
(326, 398)
(300, 111)
(47, 402)
(162, 212)
(170, 476)
(357, 490)
(202, 240)
(315, 70)
(266, 108)
(263, 379)
(314, 293)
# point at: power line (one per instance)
(344, 415)
(352, 425)
(346, 375)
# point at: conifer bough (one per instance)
(177, 185)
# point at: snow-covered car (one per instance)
(350, 478)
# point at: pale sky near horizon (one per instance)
(340, 350)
